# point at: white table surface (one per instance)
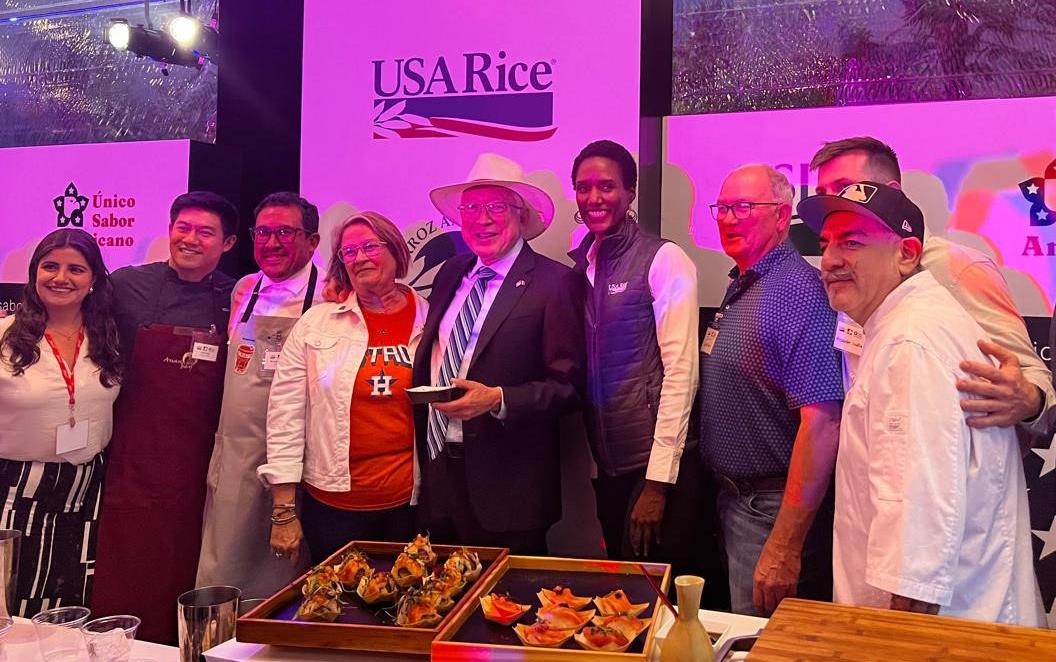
(20, 645)
(236, 651)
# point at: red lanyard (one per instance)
(67, 373)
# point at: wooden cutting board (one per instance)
(805, 630)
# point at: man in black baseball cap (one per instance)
(872, 236)
(884, 203)
(931, 514)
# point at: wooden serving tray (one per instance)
(804, 630)
(359, 627)
(469, 636)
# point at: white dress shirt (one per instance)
(282, 298)
(926, 507)
(34, 404)
(676, 310)
(501, 267)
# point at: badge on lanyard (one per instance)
(205, 345)
(72, 435)
(850, 336)
(68, 439)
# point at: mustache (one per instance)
(834, 276)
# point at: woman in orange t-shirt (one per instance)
(339, 420)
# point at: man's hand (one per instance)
(333, 292)
(646, 516)
(478, 399)
(286, 539)
(899, 603)
(776, 575)
(1005, 397)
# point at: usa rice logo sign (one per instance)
(477, 94)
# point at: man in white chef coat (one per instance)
(931, 514)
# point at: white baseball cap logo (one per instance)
(862, 193)
(906, 226)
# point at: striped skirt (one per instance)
(56, 507)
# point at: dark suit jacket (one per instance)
(530, 344)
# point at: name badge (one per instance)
(69, 439)
(272, 351)
(850, 336)
(205, 345)
(205, 351)
(710, 336)
(271, 360)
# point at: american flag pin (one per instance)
(519, 283)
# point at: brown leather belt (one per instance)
(742, 486)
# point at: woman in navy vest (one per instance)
(641, 325)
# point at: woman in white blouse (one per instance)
(59, 376)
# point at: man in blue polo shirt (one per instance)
(770, 401)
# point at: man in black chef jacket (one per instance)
(172, 319)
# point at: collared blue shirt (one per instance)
(773, 355)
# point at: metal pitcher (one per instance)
(205, 618)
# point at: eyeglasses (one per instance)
(495, 209)
(371, 249)
(741, 210)
(285, 234)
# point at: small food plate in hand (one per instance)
(423, 395)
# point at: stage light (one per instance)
(119, 33)
(185, 30)
(185, 41)
(155, 44)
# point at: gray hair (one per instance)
(387, 232)
(779, 184)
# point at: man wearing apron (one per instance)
(172, 320)
(235, 545)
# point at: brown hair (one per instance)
(386, 230)
(881, 156)
(20, 343)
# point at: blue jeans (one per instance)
(747, 519)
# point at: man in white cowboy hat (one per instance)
(504, 326)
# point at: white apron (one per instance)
(236, 549)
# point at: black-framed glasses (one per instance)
(495, 209)
(741, 210)
(284, 234)
(371, 249)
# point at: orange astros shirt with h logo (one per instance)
(381, 424)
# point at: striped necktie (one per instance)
(452, 361)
